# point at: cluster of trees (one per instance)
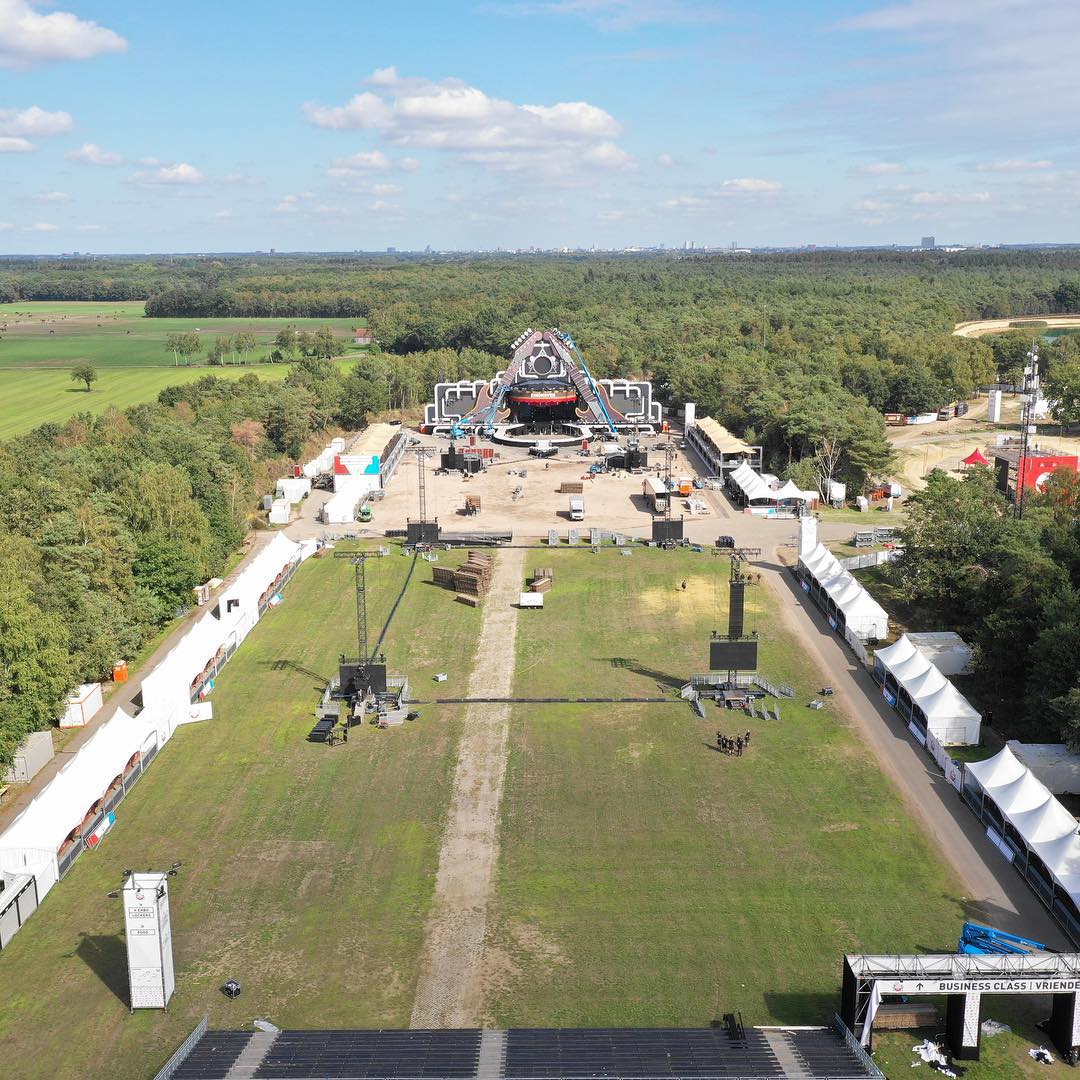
(108, 522)
(1010, 586)
(289, 344)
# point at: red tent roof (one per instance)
(975, 458)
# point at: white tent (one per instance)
(791, 492)
(31, 841)
(1003, 768)
(752, 486)
(862, 614)
(949, 716)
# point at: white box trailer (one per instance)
(82, 705)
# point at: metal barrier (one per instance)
(183, 1050)
(859, 1052)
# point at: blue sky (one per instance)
(236, 125)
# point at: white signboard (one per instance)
(993, 985)
(149, 940)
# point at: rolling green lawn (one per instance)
(307, 870)
(43, 341)
(35, 396)
(59, 335)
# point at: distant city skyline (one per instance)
(129, 127)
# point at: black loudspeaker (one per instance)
(637, 459)
(733, 655)
(356, 679)
(664, 529)
(737, 609)
(422, 532)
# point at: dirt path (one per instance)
(979, 327)
(993, 892)
(449, 992)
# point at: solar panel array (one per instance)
(535, 1054)
(359, 1055)
(214, 1055)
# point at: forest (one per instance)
(107, 523)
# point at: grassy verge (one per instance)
(307, 871)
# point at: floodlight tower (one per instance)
(421, 532)
(368, 672)
(1029, 398)
(669, 460)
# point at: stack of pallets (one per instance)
(470, 580)
(542, 579)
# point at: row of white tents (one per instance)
(755, 490)
(847, 604)
(1033, 828)
(918, 690)
(44, 840)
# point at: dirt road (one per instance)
(993, 892)
(979, 327)
(450, 990)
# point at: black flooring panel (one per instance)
(645, 1053)
(214, 1055)
(367, 1055)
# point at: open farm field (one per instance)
(60, 335)
(33, 397)
(306, 872)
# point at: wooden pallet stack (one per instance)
(471, 579)
(543, 578)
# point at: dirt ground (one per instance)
(450, 989)
(980, 327)
(612, 501)
(945, 443)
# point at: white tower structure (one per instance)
(149, 940)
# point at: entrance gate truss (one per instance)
(963, 979)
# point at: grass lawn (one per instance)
(646, 879)
(38, 396)
(307, 873)
(47, 334)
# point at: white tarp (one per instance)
(949, 715)
(293, 489)
(863, 615)
(349, 493)
(166, 695)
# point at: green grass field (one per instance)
(41, 342)
(643, 878)
(307, 870)
(35, 396)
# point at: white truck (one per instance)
(577, 508)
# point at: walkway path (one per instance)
(449, 992)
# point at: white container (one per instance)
(82, 705)
(993, 407)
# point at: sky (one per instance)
(340, 125)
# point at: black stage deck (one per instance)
(526, 1054)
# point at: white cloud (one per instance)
(752, 184)
(42, 226)
(871, 205)
(618, 14)
(291, 203)
(28, 37)
(150, 162)
(609, 156)
(453, 117)
(949, 198)
(369, 161)
(92, 154)
(409, 164)
(665, 160)
(387, 189)
(52, 197)
(15, 146)
(5, 225)
(34, 121)
(611, 215)
(880, 168)
(179, 175)
(88, 228)
(224, 215)
(1012, 165)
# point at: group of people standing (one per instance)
(733, 744)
